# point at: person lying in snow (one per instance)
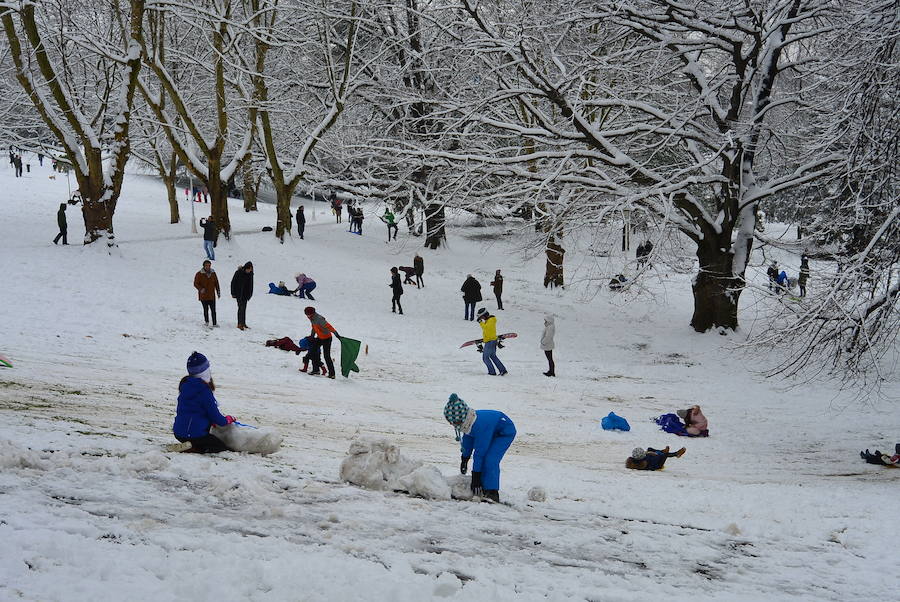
(695, 423)
(651, 459)
(197, 410)
(882, 459)
(487, 433)
(281, 289)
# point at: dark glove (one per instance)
(500, 345)
(480, 348)
(463, 465)
(477, 489)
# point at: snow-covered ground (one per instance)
(776, 504)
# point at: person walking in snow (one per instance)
(210, 236)
(321, 331)
(485, 433)
(207, 284)
(63, 225)
(197, 411)
(337, 207)
(547, 343)
(419, 265)
(397, 288)
(471, 290)
(489, 340)
(772, 273)
(18, 165)
(241, 291)
(651, 459)
(804, 274)
(301, 221)
(40, 159)
(305, 286)
(391, 222)
(497, 284)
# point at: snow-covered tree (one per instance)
(79, 66)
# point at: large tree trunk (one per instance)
(553, 273)
(435, 222)
(716, 289)
(249, 185)
(98, 202)
(218, 197)
(283, 217)
(168, 178)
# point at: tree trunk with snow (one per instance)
(435, 226)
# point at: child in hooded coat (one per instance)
(487, 434)
(547, 343)
(197, 410)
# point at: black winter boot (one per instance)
(492, 494)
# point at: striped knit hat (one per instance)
(197, 363)
(455, 411)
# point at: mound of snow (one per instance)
(376, 463)
(250, 439)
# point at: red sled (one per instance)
(501, 338)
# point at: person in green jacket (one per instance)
(391, 221)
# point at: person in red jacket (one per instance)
(207, 284)
(321, 331)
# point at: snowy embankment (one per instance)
(776, 504)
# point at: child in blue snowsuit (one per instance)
(487, 433)
(197, 409)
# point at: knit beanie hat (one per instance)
(638, 453)
(455, 411)
(682, 413)
(482, 312)
(197, 363)
(309, 310)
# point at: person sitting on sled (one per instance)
(487, 434)
(281, 289)
(651, 459)
(197, 410)
(695, 423)
(882, 459)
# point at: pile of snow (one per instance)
(250, 439)
(376, 463)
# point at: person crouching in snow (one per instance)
(197, 409)
(487, 433)
(651, 459)
(311, 346)
(695, 422)
(489, 340)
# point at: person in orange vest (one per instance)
(321, 330)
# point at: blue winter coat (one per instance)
(197, 410)
(488, 424)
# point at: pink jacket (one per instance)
(697, 422)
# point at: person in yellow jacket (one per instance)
(488, 325)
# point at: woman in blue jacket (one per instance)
(487, 433)
(197, 408)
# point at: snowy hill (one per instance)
(776, 504)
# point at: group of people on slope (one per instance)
(471, 290)
(779, 281)
(417, 270)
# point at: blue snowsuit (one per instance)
(491, 435)
(197, 410)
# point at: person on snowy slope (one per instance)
(197, 410)
(207, 284)
(397, 289)
(547, 343)
(242, 290)
(651, 459)
(487, 434)
(489, 340)
(321, 331)
(695, 422)
(471, 290)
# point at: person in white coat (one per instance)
(547, 343)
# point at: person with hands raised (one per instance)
(485, 433)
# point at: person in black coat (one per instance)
(242, 290)
(471, 290)
(301, 221)
(419, 264)
(63, 225)
(398, 290)
(497, 283)
(210, 235)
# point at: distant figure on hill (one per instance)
(397, 289)
(804, 274)
(471, 290)
(63, 225)
(547, 343)
(408, 272)
(337, 206)
(772, 273)
(305, 286)
(419, 264)
(321, 332)
(210, 236)
(241, 291)
(301, 221)
(497, 284)
(391, 222)
(489, 341)
(207, 284)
